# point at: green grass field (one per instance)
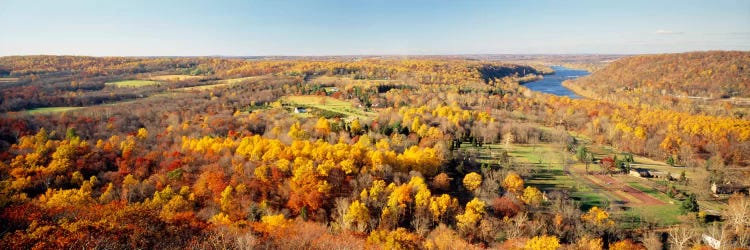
(651, 191)
(49, 110)
(663, 215)
(132, 83)
(547, 173)
(329, 104)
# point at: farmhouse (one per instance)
(729, 188)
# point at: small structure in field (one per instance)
(640, 172)
(332, 90)
(664, 175)
(711, 241)
(300, 110)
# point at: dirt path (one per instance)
(633, 196)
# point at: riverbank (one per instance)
(578, 90)
(552, 83)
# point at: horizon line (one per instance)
(374, 55)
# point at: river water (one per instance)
(552, 84)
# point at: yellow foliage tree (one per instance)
(532, 196)
(355, 127)
(322, 127)
(396, 239)
(226, 202)
(296, 132)
(70, 197)
(440, 205)
(142, 133)
(544, 242)
(179, 204)
(108, 195)
(587, 243)
(275, 221)
(626, 245)
(357, 215)
(597, 216)
(471, 216)
(472, 181)
(513, 183)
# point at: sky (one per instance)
(369, 27)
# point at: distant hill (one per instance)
(673, 80)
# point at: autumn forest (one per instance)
(374, 152)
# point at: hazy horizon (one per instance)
(371, 28)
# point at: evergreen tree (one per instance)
(689, 205)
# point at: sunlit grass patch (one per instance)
(132, 83)
(48, 110)
(174, 78)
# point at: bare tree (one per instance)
(720, 233)
(652, 241)
(737, 213)
(681, 236)
(737, 216)
(515, 229)
(421, 223)
(342, 206)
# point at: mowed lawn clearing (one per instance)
(640, 203)
(174, 78)
(132, 83)
(50, 110)
(328, 104)
(547, 162)
(544, 161)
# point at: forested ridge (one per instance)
(364, 153)
(684, 81)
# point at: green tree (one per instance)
(670, 161)
(689, 205)
(582, 153)
(584, 156)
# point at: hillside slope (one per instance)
(714, 82)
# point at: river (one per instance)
(552, 84)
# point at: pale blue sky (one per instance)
(248, 28)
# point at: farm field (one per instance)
(544, 162)
(328, 104)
